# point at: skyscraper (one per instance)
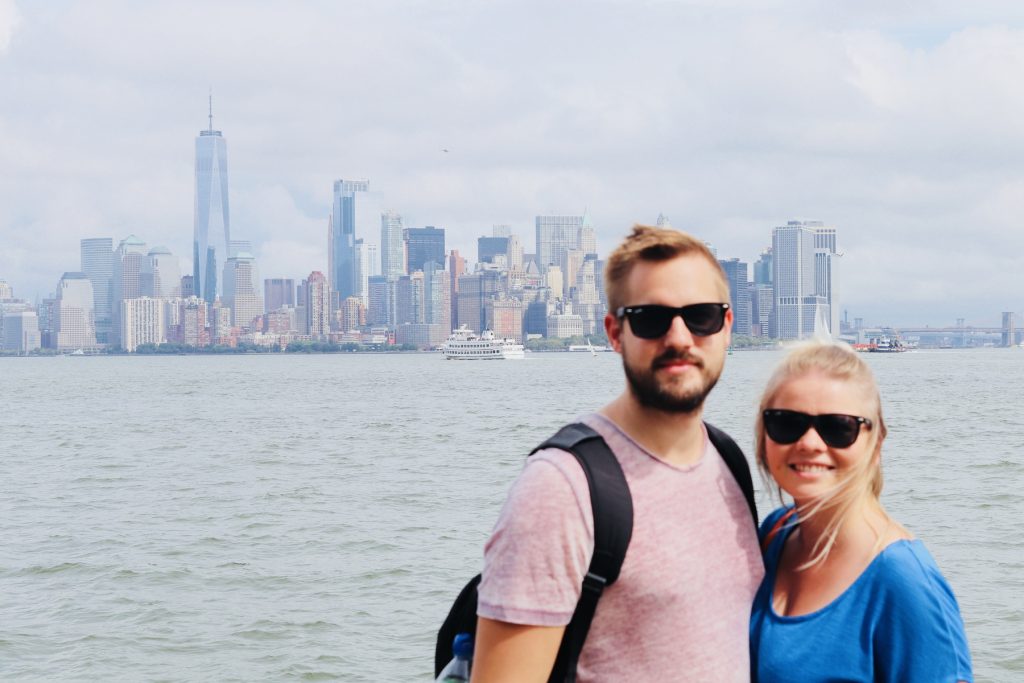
(212, 232)
(355, 214)
(241, 291)
(424, 245)
(98, 266)
(736, 272)
(555, 235)
(805, 275)
(392, 247)
(317, 302)
(75, 324)
(161, 274)
(278, 292)
(142, 322)
(127, 280)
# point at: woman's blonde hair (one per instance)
(836, 361)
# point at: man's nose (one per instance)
(678, 333)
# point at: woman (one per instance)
(848, 594)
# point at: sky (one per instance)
(900, 124)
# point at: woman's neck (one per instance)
(861, 529)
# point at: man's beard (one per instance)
(660, 396)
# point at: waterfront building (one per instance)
(736, 274)
(161, 274)
(437, 295)
(352, 314)
(20, 330)
(48, 312)
(805, 277)
(456, 269)
(281, 321)
(423, 245)
(422, 335)
(535, 320)
(317, 305)
(564, 325)
(75, 322)
(222, 332)
(142, 322)
(392, 246)
(212, 229)
(355, 214)
(278, 292)
(127, 280)
(504, 316)
(241, 293)
(97, 256)
(555, 235)
(194, 314)
(762, 298)
(378, 301)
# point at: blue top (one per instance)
(899, 621)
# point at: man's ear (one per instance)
(613, 330)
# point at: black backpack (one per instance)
(613, 526)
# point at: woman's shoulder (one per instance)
(907, 579)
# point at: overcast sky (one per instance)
(901, 124)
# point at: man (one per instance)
(680, 608)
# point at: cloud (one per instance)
(896, 127)
(9, 19)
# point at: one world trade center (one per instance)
(212, 223)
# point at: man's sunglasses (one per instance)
(837, 431)
(653, 321)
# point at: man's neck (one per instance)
(676, 438)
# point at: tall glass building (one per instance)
(212, 232)
(98, 266)
(355, 214)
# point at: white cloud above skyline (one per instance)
(899, 126)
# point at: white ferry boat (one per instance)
(463, 344)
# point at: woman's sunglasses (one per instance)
(653, 321)
(837, 431)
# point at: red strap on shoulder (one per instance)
(776, 528)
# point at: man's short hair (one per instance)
(648, 243)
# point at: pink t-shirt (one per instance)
(681, 607)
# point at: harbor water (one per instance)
(298, 517)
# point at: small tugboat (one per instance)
(887, 345)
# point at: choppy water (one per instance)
(312, 517)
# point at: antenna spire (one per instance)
(211, 110)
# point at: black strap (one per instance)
(737, 463)
(612, 507)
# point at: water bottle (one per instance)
(458, 669)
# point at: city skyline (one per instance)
(900, 131)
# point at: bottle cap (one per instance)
(463, 645)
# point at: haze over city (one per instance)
(897, 126)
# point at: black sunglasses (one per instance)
(837, 431)
(653, 321)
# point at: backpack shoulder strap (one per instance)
(737, 464)
(612, 507)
